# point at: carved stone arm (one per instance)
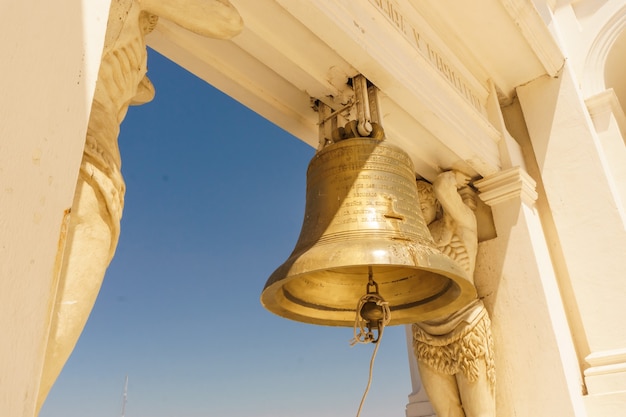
(446, 187)
(211, 18)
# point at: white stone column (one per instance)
(537, 370)
(418, 405)
(50, 58)
(589, 218)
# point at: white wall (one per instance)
(50, 57)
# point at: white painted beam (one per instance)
(292, 51)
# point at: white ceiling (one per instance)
(291, 51)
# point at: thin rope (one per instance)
(362, 335)
(365, 335)
(369, 380)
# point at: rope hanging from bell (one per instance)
(372, 315)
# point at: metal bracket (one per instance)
(368, 121)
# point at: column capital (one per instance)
(507, 184)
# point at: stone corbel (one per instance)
(507, 184)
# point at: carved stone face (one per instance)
(428, 202)
(429, 211)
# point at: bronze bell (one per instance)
(363, 220)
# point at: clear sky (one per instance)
(214, 203)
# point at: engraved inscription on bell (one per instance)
(361, 187)
(362, 212)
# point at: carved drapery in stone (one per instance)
(455, 353)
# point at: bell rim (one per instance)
(459, 292)
(452, 299)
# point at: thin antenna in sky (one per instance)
(124, 397)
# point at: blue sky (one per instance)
(214, 203)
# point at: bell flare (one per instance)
(418, 282)
(363, 224)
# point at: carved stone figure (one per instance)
(99, 199)
(455, 353)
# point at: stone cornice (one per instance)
(605, 359)
(537, 34)
(505, 185)
(606, 102)
(607, 371)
